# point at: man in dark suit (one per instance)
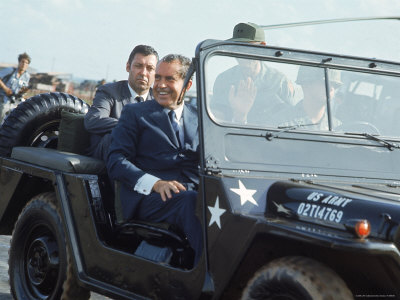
(111, 98)
(154, 154)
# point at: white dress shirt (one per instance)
(134, 94)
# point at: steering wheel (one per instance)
(359, 126)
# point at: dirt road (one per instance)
(4, 287)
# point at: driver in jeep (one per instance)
(311, 111)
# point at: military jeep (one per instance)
(291, 207)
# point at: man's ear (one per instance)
(128, 66)
(188, 85)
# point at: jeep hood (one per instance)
(337, 206)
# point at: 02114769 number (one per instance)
(319, 212)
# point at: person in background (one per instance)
(154, 154)
(250, 91)
(110, 98)
(13, 83)
(311, 111)
(101, 82)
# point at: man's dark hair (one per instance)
(144, 50)
(24, 56)
(183, 60)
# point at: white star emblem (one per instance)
(216, 213)
(281, 208)
(245, 194)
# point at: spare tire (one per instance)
(35, 122)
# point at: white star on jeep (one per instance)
(245, 194)
(216, 213)
(281, 208)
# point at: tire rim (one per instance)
(46, 136)
(42, 265)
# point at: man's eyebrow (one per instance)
(167, 77)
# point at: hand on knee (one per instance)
(166, 188)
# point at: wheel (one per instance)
(296, 278)
(35, 121)
(39, 262)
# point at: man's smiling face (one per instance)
(168, 84)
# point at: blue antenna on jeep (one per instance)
(276, 26)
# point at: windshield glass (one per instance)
(257, 93)
(365, 38)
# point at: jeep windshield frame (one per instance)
(296, 150)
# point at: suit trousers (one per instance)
(179, 210)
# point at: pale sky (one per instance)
(93, 38)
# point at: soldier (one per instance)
(250, 91)
(13, 82)
(311, 111)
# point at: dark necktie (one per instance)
(139, 99)
(175, 125)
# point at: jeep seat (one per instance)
(158, 234)
(73, 140)
(59, 160)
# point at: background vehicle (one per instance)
(287, 210)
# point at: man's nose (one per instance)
(162, 83)
(141, 71)
(144, 71)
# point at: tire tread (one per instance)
(27, 116)
(317, 279)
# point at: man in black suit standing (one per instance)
(154, 154)
(111, 98)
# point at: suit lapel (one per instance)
(150, 95)
(126, 94)
(190, 123)
(161, 119)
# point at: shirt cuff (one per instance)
(145, 184)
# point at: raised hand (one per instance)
(241, 99)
